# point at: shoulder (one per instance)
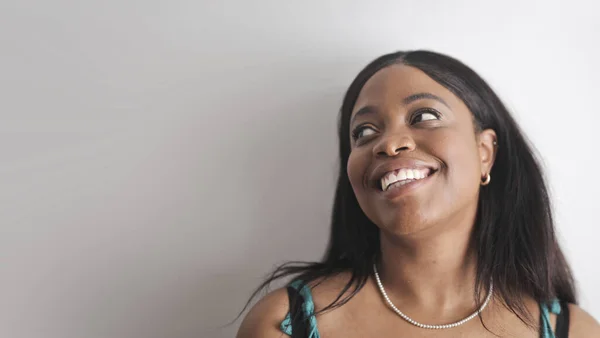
(582, 324)
(327, 290)
(265, 317)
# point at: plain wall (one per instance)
(159, 157)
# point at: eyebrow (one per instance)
(421, 96)
(406, 101)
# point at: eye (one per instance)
(362, 131)
(425, 115)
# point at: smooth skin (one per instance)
(428, 269)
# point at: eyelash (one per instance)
(356, 132)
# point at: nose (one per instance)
(392, 145)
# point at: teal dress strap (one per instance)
(308, 310)
(546, 308)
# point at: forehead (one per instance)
(391, 84)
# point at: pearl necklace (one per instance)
(426, 326)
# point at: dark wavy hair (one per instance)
(513, 236)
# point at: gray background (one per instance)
(159, 157)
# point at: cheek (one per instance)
(462, 159)
(356, 168)
(358, 162)
(358, 165)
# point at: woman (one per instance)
(441, 224)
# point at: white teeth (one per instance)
(402, 177)
(419, 174)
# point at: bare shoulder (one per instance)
(264, 319)
(265, 316)
(327, 289)
(582, 324)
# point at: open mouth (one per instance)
(401, 177)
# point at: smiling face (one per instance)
(416, 158)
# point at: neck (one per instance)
(433, 270)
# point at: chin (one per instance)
(404, 224)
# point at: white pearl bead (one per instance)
(426, 326)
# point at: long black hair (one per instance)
(513, 236)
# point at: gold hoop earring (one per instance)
(487, 179)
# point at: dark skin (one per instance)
(424, 231)
(427, 268)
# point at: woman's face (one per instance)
(415, 160)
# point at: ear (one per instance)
(487, 150)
